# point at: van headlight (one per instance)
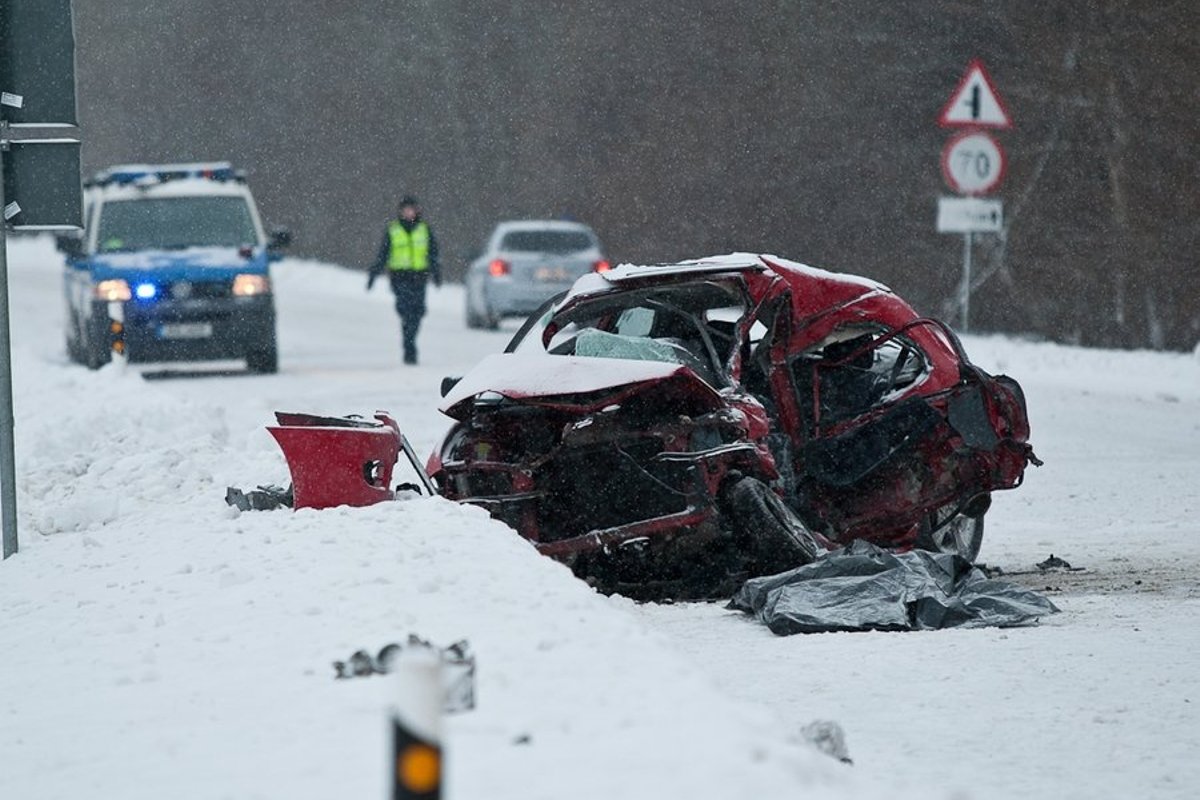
(112, 290)
(251, 285)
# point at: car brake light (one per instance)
(250, 285)
(499, 267)
(601, 266)
(114, 289)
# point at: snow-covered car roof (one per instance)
(627, 274)
(540, 225)
(135, 181)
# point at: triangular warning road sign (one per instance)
(975, 102)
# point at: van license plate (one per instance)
(186, 330)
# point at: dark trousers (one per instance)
(409, 288)
(409, 325)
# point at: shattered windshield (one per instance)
(171, 223)
(691, 324)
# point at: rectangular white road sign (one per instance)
(969, 215)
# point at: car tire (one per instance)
(264, 362)
(776, 537)
(474, 321)
(961, 535)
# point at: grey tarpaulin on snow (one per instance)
(864, 587)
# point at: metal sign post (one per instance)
(968, 216)
(39, 171)
(973, 163)
(964, 293)
(8, 484)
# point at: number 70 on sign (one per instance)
(973, 163)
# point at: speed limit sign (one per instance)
(973, 163)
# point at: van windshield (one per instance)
(172, 223)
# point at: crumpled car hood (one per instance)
(570, 381)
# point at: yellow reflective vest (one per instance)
(409, 250)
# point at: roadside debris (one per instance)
(864, 587)
(263, 498)
(1054, 562)
(458, 668)
(337, 461)
(828, 737)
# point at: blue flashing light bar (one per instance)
(146, 291)
(149, 174)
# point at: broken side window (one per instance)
(756, 355)
(854, 370)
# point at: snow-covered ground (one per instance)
(155, 642)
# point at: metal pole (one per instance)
(965, 291)
(8, 473)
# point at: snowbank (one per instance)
(158, 642)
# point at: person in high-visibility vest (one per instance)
(409, 255)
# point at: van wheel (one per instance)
(777, 539)
(73, 348)
(264, 362)
(95, 355)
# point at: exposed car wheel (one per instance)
(263, 361)
(960, 535)
(777, 537)
(475, 321)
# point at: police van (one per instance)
(173, 265)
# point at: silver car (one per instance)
(525, 263)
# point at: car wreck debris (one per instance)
(457, 668)
(864, 587)
(670, 430)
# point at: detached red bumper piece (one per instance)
(340, 461)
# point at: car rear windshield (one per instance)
(175, 222)
(546, 241)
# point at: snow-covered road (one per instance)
(155, 642)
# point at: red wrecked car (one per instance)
(671, 430)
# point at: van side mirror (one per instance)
(279, 239)
(448, 383)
